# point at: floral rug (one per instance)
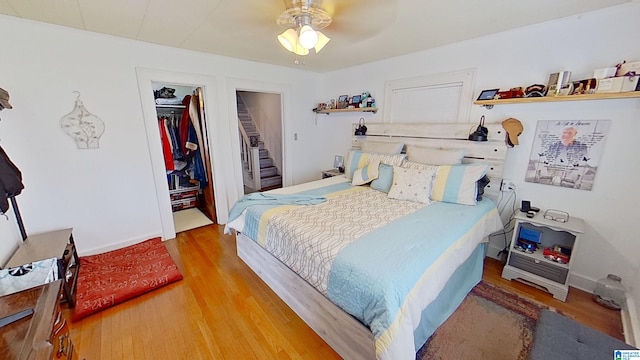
(491, 324)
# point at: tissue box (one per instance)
(630, 83)
(605, 73)
(610, 85)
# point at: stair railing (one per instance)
(250, 153)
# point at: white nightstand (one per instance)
(533, 266)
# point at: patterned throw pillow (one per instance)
(457, 183)
(420, 166)
(366, 174)
(357, 159)
(411, 184)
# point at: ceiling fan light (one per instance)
(288, 39)
(300, 50)
(308, 37)
(322, 41)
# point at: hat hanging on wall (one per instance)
(513, 129)
(4, 99)
(481, 132)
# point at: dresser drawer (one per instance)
(538, 267)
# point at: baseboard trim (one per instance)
(581, 282)
(99, 250)
(492, 252)
(630, 324)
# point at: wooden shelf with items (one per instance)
(329, 111)
(601, 96)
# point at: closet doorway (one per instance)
(182, 129)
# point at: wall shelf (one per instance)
(329, 111)
(603, 96)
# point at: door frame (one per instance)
(234, 85)
(217, 133)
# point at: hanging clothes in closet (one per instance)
(181, 143)
(194, 143)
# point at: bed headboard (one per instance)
(446, 136)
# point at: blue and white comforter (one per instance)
(381, 260)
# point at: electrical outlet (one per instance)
(507, 185)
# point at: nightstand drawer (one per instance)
(540, 268)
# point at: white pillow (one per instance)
(434, 156)
(411, 184)
(381, 147)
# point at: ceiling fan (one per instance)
(354, 19)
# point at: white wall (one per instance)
(520, 58)
(107, 195)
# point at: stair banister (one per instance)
(251, 156)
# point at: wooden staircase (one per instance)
(269, 174)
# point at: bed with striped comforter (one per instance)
(383, 261)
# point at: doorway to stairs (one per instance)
(261, 141)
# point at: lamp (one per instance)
(288, 39)
(308, 37)
(322, 41)
(303, 19)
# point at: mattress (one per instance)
(381, 260)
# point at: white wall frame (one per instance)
(419, 86)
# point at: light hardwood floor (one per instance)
(222, 310)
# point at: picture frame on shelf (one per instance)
(355, 99)
(489, 94)
(338, 161)
(343, 101)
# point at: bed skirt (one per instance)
(345, 334)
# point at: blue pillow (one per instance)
(384, 180)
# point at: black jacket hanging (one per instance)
(10, 180)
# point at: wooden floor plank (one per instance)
(222, 310)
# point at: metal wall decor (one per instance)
(82, 126)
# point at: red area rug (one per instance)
(113, 277)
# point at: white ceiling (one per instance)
(362, 30)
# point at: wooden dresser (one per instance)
(41, 335)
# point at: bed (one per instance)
(373, 274)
